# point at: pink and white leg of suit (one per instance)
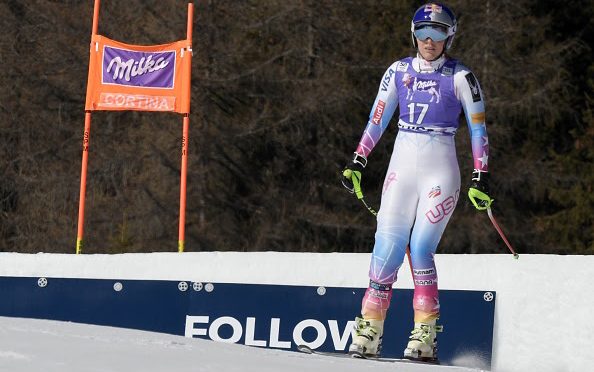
(420, 192)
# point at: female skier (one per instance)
(422, 184)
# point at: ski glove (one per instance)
(351, 175)
(479, 190)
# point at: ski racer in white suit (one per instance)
(422, 184)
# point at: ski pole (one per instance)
(357, 189)
(496, 225)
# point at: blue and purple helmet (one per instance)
(435, 21)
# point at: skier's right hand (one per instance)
(351, 174)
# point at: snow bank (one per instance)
(541, 320)
(28, 345)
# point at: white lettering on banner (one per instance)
(339, 339)
(132, 68)
(274, 332)
(136, 101)
(250, 330)
(213, 330)
(320, 330)
(190, 330)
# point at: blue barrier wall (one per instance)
(253, 314)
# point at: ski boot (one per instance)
(422, 344)
(367, 340)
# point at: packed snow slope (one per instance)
(542, 315)
(30, 345)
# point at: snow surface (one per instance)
(30, 345)
(542, 315)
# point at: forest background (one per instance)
(281, 93)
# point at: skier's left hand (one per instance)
(479, 190)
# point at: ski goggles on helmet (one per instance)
(431, 31)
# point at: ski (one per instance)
(336, 354)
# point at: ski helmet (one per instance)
(435, 21)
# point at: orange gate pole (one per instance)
(182, 189)
(83, 183)
(185, 131)
(85, 153)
